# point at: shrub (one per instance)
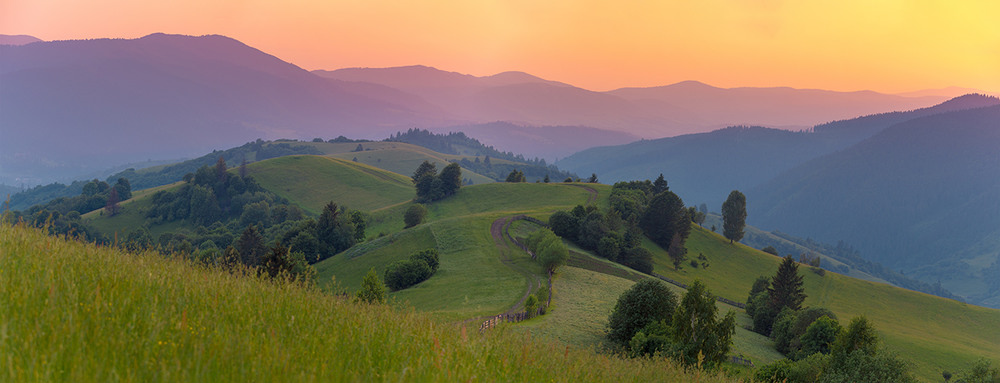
(430, 256)
(414, 215)
(405, 273)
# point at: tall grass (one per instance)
(76, 312)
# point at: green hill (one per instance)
(397, 157)
(77, 312)
(312, 181)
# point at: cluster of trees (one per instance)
(517, 176)
(637, 208)
(432, 186)
(648, 320)
(605, 233)
(274, 261)
(213, 194)
(770, 296)
(415, 269)
(61, 216)
(548, 249)
(853, 355)
(460, 144)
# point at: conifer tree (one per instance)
(250, 246)
(660, 185)
(786, 287)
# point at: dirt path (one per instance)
(498, 230)
(592, 191)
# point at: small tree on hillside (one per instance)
(696, 330)
(372, 289)
(592, 179)
(451, 179)
(660, 185)
(734, 216)
(112, 206)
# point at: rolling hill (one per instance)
(921, 195)
(481, 276)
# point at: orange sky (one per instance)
(888, 46)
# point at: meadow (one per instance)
(73, 311)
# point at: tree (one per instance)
(250, 247)
(553, 253)
(414, 215)
(372, 289)
(593, 178)
(696, 330)
(531, 306)
(220, 169)
(547, 179)
(819, 336)
(428, 184)
(647, 301)
(112, 206)
(451, 179)
(565, 224)
(334, 230)
(665, 216)
(660, 185)
(980, 372)
(406, 272)
(770, 250)
(360, 221)
(855, 357)
(516, 176)
(786, 287)
(123, 188)
(677, 251)
(280, 261)
(734, 216)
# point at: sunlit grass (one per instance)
(76, 312)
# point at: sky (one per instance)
(888, 46)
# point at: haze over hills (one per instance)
(73, 107)
(919, 197)
(70, 106)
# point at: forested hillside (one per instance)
(921, 198)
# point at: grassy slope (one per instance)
(397, 157)
(75, 312)
(312, 181)
(933, 332)
(471, 280)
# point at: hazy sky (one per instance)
(888, 46)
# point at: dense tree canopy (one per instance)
(647, 301)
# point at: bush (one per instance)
(430, 256)
(414, 215)
(405, 273)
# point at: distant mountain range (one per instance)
(18, 39)
(915, 191)
(72, 107)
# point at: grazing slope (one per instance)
(935, 333)
(397, 157)
(77, 312)
(312, 181)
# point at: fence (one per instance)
(512, 318)
(741, 361)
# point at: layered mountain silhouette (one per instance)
(705, 167)
(919, 196)
(18, 39)
(72, 107)
(915, 191)
(103, 102)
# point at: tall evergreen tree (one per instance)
(786, 287)
(660, 185)
(734, 216)
(250, 246)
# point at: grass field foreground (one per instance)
(72, 311)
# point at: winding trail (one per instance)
(497, 230)
(592, 191)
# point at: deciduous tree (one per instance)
(734, 216)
